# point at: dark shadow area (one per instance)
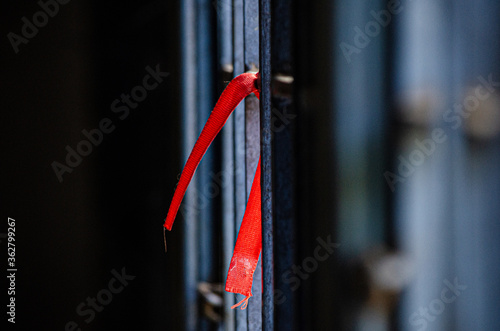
(97, 214)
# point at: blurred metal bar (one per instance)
(475, 160)
(284, 241)
(320, 305)
(189, 135)
(360, 124)
(207, 259)
(360, 105)
(282, 30)
(205, 103)
(285, 315)
(266, 164)
(422, 84)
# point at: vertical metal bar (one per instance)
(252, 123)
(239, 137)
(204, 52)
(225, 34)
(225, 21)
(266, 164)
(475, 157)
(285, 315)
(251, 35)
(284, 242)
(422, 63)
(228, 226)
(252, 158)
(204, 106)
(359, 124)
(188, 81)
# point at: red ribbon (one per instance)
(249, 241)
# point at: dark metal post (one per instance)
(285, 315)
(266, 165)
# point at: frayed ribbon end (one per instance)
(243, 303)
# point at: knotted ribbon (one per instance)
(249, 240)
